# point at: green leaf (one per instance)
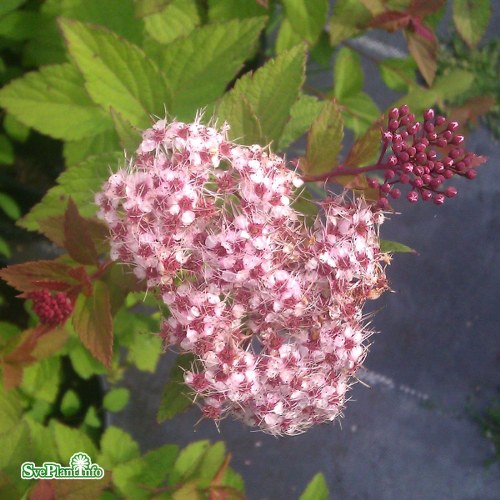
(349, 17)
(70, 403)
(398, 73)
(15, 129)
(307, 17)
(76, 152)
(41, 380)
(145, 351)
(116, 399)
(91, 418)
(324, 140)
(10, 410)
(136, 332)
(145, 8)
(81, 182)
(117, 447)
(54, 102)
(272, 90)
(395, 247)
(212, 461)
(19, 25)
(40, 410)
(83, 362)
(43, 442)
(287, 37)
(128, 478)
(360, 111)
(93, 323)
(304, 203)
(159, 463)
(222, 10)
(70, 441)
(7, 6)
(6, 151)
(199, 66)
(16, 448)
(117, 73)
(4, 248)
(129, 136)
(471, 19)
(322, 51)
(418, 99)
(119, 17)
(238, 112)
(177, 19)
(317, 489)
(188, 461)
(302, 113)
(347, 74)
(9, 206)
(45, 45)
(175, 398)
(452, 84)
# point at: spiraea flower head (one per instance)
(270, 306)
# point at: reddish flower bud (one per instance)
(450, 192)
(51, 309)
(426, 195)
(373, 183)
(453, 126)
(471, 174)
(393, 125)
(394, 114)
(389, 174)
(440, 120)
(439, 199)
(385, 188)
(404, 109)
(412, 196)
(404, 156)
(395, 193)
(458, 139)
(429, 114)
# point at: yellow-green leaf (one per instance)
(324, 140)
(54, 102)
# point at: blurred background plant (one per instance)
(80, 79)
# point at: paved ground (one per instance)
(411, 435)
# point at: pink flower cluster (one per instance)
(270, 307)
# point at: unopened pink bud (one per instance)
(439, 199)
(450, 192)
(394, 114)
(412, 196)
(429, 114)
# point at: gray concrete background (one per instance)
(432, 367)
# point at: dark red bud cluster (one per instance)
(51, 309)
(422, 156)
